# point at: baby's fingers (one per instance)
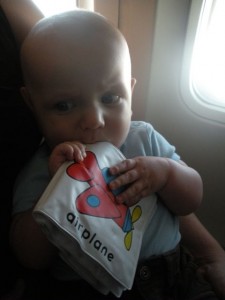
(124, 179)
(65, 152)
(132, 194)
(122, 167)
(79, 152)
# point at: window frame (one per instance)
(192, 99)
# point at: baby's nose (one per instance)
(92, 118)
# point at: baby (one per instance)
(78, 84)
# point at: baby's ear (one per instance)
(26, 96)
(133, 82)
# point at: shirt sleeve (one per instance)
(144, 140)
(31, 182)
(159, 145)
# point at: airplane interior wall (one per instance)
(199, 141)
(156, 32)
(135, 19)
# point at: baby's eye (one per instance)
(64, 106)
(110, 98)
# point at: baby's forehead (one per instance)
(73, 32)
(76, 26)
(64, 39)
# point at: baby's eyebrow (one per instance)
(56, 97)
(114, 85)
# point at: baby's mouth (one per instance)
(94, 140)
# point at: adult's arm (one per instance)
(22, 16)
(29, 243)
(207, 251)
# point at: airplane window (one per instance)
(203, 68)
(51, 7)
(208, 59)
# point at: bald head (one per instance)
(75, 36)
(77, 75)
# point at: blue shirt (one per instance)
(162, 233)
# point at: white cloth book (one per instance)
(98, 238)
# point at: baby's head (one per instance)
(78, 83)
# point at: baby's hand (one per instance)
(65, 152)
(142, 176)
